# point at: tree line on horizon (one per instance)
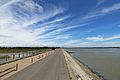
(29, 47)
(24, 49)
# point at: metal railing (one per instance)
(6, 70)
(9, 57)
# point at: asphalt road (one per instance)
(52, 67)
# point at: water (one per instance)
(106, 61)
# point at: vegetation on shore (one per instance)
(24, 49)
(4, 56)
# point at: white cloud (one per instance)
(80, 43)
(99, 44)
(94, 44)
(112, 8)
(14, 25)
(118, 25)
(55, 21)
(63, 36)
(60, 19)
(66, 28)
(58, 34)
(100, 38)
(4, 3)
(72, 43)
(100, 2)
(58, 31)
(56, 37)
(101, 12)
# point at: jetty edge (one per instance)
(78, 70)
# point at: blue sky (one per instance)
(69, 23)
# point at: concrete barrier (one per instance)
(16, 66)
(8, 70)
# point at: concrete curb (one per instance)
(75, 70)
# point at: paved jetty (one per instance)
(59, 65)
(52, 67)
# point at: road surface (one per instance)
(52, 67)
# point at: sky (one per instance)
(64, 23)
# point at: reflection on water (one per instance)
(106, 61)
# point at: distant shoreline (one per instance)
(23, 49)
(90, 47)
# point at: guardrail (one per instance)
(17, 56)
(14, 67)
(8, 70)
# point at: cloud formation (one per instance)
(100, 38)
(99, 44)
(46, 23)
(100, 2)
(17, 15)
(102, 11)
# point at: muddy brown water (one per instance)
(105, 61)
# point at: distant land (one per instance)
(23, 49)
(90, 47)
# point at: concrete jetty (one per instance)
(58, 65)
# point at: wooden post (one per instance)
(27, 54)
(16, 67)
(31, 60)
(23, 55)
(6, 58)
(13, 56)
(19, 55)
(39, 57)
(70, 78)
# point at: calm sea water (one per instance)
(106, 61)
